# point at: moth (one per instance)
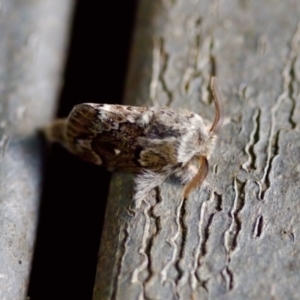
(153, 142)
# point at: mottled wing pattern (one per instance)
(126, 137)
(105, 134)
(162, 138)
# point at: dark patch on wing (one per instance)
(125, 140)
(161, 131)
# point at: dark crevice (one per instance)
(230, 275)
(275, 152)
(256, 138)
(219, 201)
(290, 235)
(275, 146)
(218, 208)
(158, 201)
(150, 241)
(205, 233)
(74, 194)
(203, 249)
(165, 61)
(258, 226)
(239, 206)
(293, 78)
(213, 70)
(227, 277)
(203, 284)
(212, 59)
(197, 42)
(236, 225)
(215, 169)
(183, 229)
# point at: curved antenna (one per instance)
(219, 105)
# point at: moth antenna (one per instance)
(219, 105)
(198, 178)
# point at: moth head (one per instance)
(208, 136)
(208, 144)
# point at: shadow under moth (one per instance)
(153, 142)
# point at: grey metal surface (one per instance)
(33, 39)
(236, 237)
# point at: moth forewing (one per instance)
(153, 142)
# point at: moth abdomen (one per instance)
(55, 132)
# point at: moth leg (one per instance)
(198, 179)
(145, 182)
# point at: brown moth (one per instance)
(153, 142)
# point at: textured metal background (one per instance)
(236, 237)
